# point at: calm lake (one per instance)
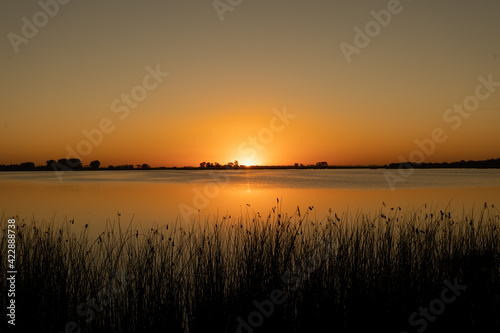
(164, 196)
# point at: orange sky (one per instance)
(227, 79)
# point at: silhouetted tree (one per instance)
(27, 166)
(145, 166)
(203, 164)
(73, 163)
(95, 164)
(321, 165)
(236, 163)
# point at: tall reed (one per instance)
(342, 273)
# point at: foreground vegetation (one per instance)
(274, 273)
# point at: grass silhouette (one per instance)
(349, 273)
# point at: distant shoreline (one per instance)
(253, 168)
(66, 166)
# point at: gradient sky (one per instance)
(226, 78)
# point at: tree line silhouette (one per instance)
(493, 163)
(71, 164)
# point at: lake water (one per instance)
(164, 196)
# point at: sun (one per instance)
(248, 161)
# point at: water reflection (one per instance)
(98, 196)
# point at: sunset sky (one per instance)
(231, 81)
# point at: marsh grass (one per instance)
(353, 273)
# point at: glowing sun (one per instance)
(248, 161)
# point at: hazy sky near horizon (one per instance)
(229, 81)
